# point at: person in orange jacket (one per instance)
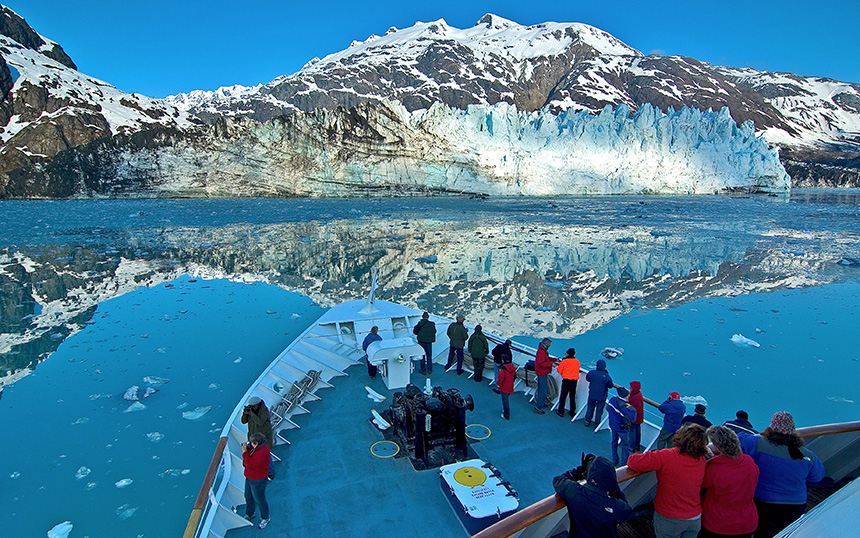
(568, 369)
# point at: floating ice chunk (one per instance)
(91, 485)
(839, 400)
(82, 420)
(131, 393)
(296, 315)
(100, 396)
(125, 511)
(149, 392)
(123, 483)
(136, 406)
(693, 400)
(155, 437)
(82, 473)
(61, 531)
(612, 352)
(183, 405)
(186, 471)
(742, 340)
(196, 413)
(237, 361)
(213, 386)
(155, 380)
(170, 473)
(14, 475)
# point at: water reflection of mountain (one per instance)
(515, 276)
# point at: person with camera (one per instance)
(597, 506)
(256, 415)
(255, 459)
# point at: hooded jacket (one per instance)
(500, 352)
(568, 368)
(507, 375)
(425, 331)
(479, 347)
(619, 414)
(674, 411)
(599, 381)
(598, 505)
(637, 401)
(256, 462)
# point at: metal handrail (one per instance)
(549, 505)
(203, 495)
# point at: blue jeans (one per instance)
(595, 409)
(620, 438)
(496, 374)
(459, 352)
(542, 388)
(427, 361)
(255, 493)
(506, 405)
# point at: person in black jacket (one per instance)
(501, 353)
(596, 507)
(425, 334)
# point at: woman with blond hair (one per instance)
(730, 479)
(680, 471)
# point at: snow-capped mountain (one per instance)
(48, 105)
(382, 117)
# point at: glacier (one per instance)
(384, 149)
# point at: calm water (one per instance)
(97, 295)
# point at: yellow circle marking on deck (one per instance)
(478, 432)
(470, 477)
(384, 449)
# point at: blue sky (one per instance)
(163, 47)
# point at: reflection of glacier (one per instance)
(515, 276)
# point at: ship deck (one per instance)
(329, 483)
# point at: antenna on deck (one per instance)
(369, 307)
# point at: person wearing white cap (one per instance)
(256, 416)
(784, 469)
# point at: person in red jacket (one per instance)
(507, 375)
(730, 479)
(680, 472)
(543, 367)
(638, 402)
(255, 458)
(568, 369)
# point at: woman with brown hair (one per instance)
(784, 469)
(730, 479)
(680, 471)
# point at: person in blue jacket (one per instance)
(784, 469)
(621, 417)
(674, 410)
(599, 384)
(372, 336)
(597, 506)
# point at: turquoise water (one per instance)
(210, 338)
(683, 273)
(808, 361)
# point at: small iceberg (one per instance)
(61, 531)
(155, 380)
(149, 392)
(155, 437)
(136, 406)
(82, 473)
(742, 340)
(612, 352)
(196, 413)
(131, 394)
(125, 512)
(123, 483)
(693, 400)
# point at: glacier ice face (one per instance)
(385, 149)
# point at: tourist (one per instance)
(599, 384)
(425, 334)
(621, 417)
(507, 375)
(372, 337)
(741, 423)
(673, 410)
(596, 507)
(256, 415)
(479, 348)
(500, 353)
(680, 471)
(784, 469)
(698, 417)
(457, 335)
(730, 480)
(543, 367)
(638, 402)
(255, 459)
(568, 369)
